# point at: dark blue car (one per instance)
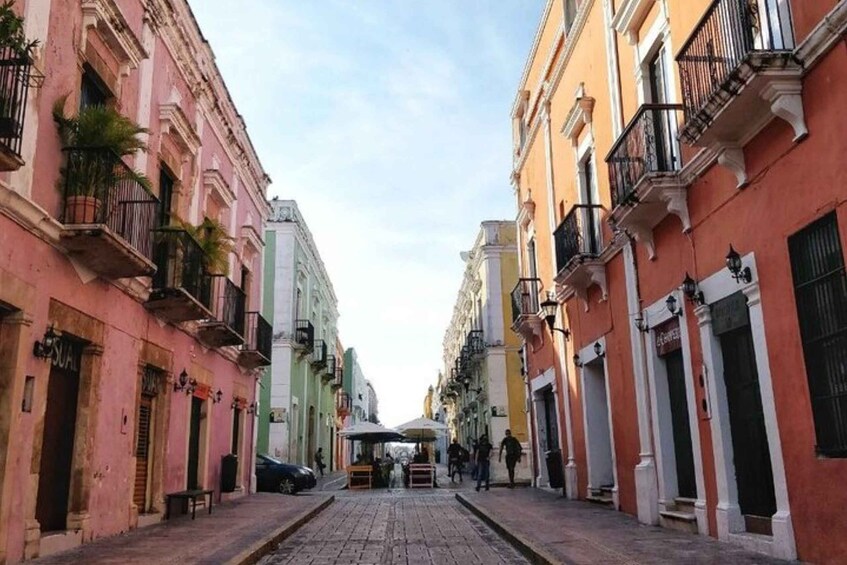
(272, 475)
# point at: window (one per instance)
(92, 90)
(820, 290)
(166, 191)
(570, 14)
(530, 253)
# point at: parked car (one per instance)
(272, 475)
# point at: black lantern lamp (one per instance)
(672, 306)
(598, 349)
(550, 308)
(691, 291)
(44, 349)
(182, 381)
(576, 360)
(739, 271)
(217, 397)
(253, 409)
(640, 323)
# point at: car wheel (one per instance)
(287, 486)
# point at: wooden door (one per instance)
(683, 451)
(57, 447)
(194, 443)
(142, 452)
(750, 449)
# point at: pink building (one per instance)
(127, 370)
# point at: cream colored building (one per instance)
(485, 391)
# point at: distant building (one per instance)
(373, 404)
(298, 404)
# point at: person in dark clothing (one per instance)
(513, 455)
(483, 463)
(474, 466)
(454, 460)
(319, 460)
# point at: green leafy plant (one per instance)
(100, 136)
(12, 31)
(215, 242)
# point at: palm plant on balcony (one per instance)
(15, 50)
(100, 137)
(215, 242)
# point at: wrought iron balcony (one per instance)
(258, 342)
(525, 299)
(304, 334)
(338, 382)
(108, 214)
(329, 370)
(319, 354)
(182, 290)
(578, 243)
(15, 77)
(736, 51)
(226, 327)
(475, 342)
(343, 403)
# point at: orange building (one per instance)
(677, 379)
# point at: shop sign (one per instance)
(668, 337)
(730, 314)
(67, 355)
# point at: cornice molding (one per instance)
(629, 17)
(579, 116)
(535, 44)
(107, 19)
(174, 123)
(217, 187)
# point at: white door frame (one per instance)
(730, 522)
(655, 315)
(538, 385)
(586, 356)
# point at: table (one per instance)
(191, 495)
(361, 472)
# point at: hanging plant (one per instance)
(12, 34)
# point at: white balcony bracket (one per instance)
(530, 328)
(644, 235)
(732, 157)
(786, 103)
(676, 200)
(582, 276)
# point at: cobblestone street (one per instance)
(399, 527)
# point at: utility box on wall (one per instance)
(278, 415)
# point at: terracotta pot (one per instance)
(81, 209)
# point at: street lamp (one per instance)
(738, 270)
(672, 306)
(691, 291)
(550, 307)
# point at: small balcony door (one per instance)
(664, 129)
(589, 223)
(771, 25)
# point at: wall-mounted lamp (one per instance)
(253, 409)
(185, 383)
(217, 397)
(641, 324)
(576, 360)
(44, 349)
(739, 271)
(672, 306)
(550, 307)
(692, 291)
(598, 349)
(235, 404)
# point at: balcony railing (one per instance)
(647, 145)
(14, 87)
(258, 342)
(525, 298)
(724, 39)
(578, 235)
(343, 402)
(304, 334)
(319, 354)
(182, 289)
(99, 188)
(475, 342)
(338, 381)
(226, 327)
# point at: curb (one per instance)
(264, 546)
(528, 548)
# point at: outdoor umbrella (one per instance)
(370, 433)
(422, 429)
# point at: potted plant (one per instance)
(216, 244)
(15, 51)
(95, 140)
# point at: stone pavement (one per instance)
(566, 531)
(336, 480)
(410, 527)
(231, 533)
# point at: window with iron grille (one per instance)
(820, 289)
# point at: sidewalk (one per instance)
(236, 532)
(336, 480)
(551, 529)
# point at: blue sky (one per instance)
(388, 122)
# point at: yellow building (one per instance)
(485, 391)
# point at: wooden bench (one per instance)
(421, 475)
(359, 477)
(187, 495)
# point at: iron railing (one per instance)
(647, 145)
(258, 335)
(330, 365)
(99, 188)
(343, 402)
(475, 342)
(228, 303)
(304, 334)
(578, 235)
(525, 298)
(319, 354)
(339, 375)
(14, 87)
(180, 264)
(727, 34)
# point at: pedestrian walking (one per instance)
(474, 466)
(319, 460)
(513, 455)
(483, 462)
(454, 460)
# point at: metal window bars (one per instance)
(578, 236)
